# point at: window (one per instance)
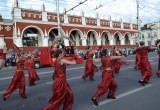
(155, 34)
(149, 35)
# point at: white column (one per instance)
(45, 42)
(131, 42)
(2, 42)
(66, 42)
(66, 19)
(83, 21)
(122, 25)
(84, 42)
(98, 22)
(122, 41)
(18, 42)
(111, 41)
(99, 41)
(44, 16)
(111, 24)
(17, 13)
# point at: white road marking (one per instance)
(2, 92)
(123, 95)
(6, 78)
(68, 78)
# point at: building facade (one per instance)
(34, 28)
(150, 33)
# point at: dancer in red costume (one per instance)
(138, 58)
(3, 56)
(146, 69)
(108, 81)
(61, 90)
(90, 68)
(158, 47)
(32, 74)
(116, 63)
(18, 80)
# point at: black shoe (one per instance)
(83, 78)
(109, 97)
(146, 82)
(135, 68)
(141, 82)
(24, 97)
(94, 101)
(4, 99)
(158, 75)
(92, 79)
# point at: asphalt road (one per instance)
(130, 94)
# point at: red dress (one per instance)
(18, 81)
(108, 81)
(116, 63)
(90, 68)
(138, 60)
(61, 90)
(158, 72)
(32, 74)
(146, 69)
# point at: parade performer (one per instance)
(90, 68)
(61, 90)
(32, 74)
(138, 58)
(3, 56)
(158, 47)
(108, 82)
(116, 63)
(18, 80)
(146, 69)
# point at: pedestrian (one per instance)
(18, 80)
(90, 68)
(3, 56)
(145, 68)
(61, 89)
(158, 51)
(32, 74)
(108, 82)
(116, 63)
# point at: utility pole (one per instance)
(138, 19)
(58, 19)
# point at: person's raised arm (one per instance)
(97, 60)
(118, 52)
(64, 61)
(116, 57)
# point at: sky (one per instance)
(118, 9)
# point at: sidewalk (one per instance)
(8, 68)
